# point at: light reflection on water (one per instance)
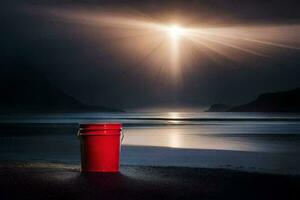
(150, 118)
(260, 141)
(262, 132)
(194, 138)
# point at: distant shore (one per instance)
(25, 180)
(282, 101)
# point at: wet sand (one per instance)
(27, 180)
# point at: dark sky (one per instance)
(89, 68)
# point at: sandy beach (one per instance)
(25, 180)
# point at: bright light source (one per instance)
(170, 44)
(175, 31)
(174, 115)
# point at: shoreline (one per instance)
(259, 162)
(229, 146)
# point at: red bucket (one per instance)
(100, 147)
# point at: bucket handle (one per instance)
(122, 136)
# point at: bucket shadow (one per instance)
(107, 181)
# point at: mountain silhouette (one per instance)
(218, 108)
(24, 89)
(284, 101)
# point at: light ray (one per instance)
(233, 36)
(230, 45)
(171, 43)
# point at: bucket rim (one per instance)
(100, 126)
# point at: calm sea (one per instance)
(169, 138)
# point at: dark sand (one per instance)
(55, 181)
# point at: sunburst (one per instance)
(174, 45)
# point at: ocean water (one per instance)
(268, 142)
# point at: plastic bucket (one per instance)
(100, 147)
